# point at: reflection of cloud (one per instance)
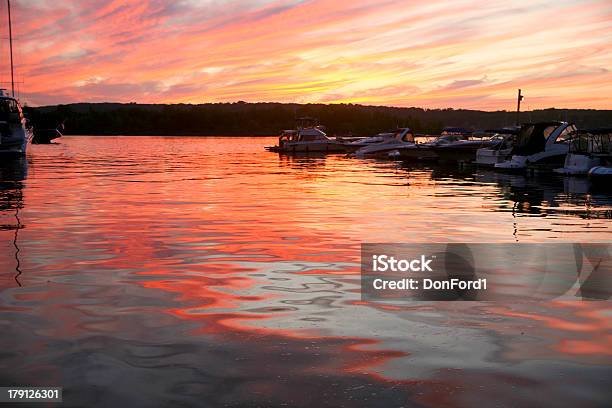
(469, 54)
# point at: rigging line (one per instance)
(17, 249)
(8, 6)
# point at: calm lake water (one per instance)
(145, 271)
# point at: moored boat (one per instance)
(587, 149)
(425, 151)
(308, 137)
(46, 136)
(463, 150)
(500, 152)
(354, 145)
(401, 137)
(14, 135)
(541, 145)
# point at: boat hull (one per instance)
(578, 164)
(601, 173)
(540, 162)
(330, 147)
(456, 154)
(490, 157)
(14, 141)
(416, 153)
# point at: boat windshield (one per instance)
(310, 137)
(404, 135)
(8, 107)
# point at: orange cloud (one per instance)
(464, 54)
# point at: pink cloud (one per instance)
(463, 54)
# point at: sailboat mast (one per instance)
(8, 3)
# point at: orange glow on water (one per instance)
(146, 251)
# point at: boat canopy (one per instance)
(503, 131)
(594, 141)
(456, 131)
(532, 137)
(306, 122)
(404, 135)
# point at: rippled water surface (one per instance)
(146, 271)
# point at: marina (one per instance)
(542, 146)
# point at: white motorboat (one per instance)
(354, 145)
(308, 137)
(539, 145)
(425, 151)
(401, 137)
(500, 151)
(587, 149)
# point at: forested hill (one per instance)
(229, 119)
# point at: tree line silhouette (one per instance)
(259, 119)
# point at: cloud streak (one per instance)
(440, 53)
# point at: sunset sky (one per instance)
(434, 53)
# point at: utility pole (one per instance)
(518, 108)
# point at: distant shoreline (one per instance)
(264, 119)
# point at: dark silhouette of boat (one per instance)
(46, 136)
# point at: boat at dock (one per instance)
(541, 145)
(354, 145)
(14, 134)
(587, 149)
(465, 150)
(308, 137)
(500, 152)
(402, 137)
(425, 151)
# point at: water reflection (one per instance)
(537, 194)
(13, 171)
(185, 270)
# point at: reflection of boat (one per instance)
(14, 136)
(539, 145)
(587, 149)
(13, 170)
(402, 137)
(307, 137)
(500, 152)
